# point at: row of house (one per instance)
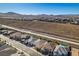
(23, 38)
(43, 46)
(61, 20)
(46, 48)
(52, 49)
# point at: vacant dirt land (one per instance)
(64, 30)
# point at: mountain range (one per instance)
(13, 15)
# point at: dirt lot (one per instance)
(64, 30)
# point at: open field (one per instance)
(63, 30)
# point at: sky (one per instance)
(40, 8)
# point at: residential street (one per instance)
(21, 47)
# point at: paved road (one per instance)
(21, 47)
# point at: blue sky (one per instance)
(40, 8)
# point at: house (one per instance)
(39, 44)
(76, 21)
(4, 32)
(7, 32)
(74, 51)
(60, 50)
(16, 36)
(48, 48)
(45, 47)
(35, 43)
(24, 38)
(30, 41)
(2, 28)
(65, 20)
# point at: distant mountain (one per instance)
(13, 15)
(10, 15)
